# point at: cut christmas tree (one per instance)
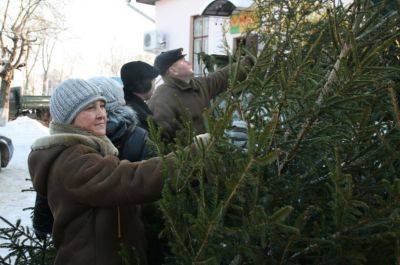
(319, 179)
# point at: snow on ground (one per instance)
(23, 132)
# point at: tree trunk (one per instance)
(45, 84)
(5, 88)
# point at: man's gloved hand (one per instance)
(238, 134)
(202, 139)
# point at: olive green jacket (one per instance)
(176, 100)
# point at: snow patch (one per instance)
(13, 179)
(23, 132)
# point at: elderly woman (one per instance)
(93, 196)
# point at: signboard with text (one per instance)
(241, 21)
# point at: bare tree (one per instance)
(113, 61)
(47, 55)
(48, 43)
(30, 61)
(22, 23)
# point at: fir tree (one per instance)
(23, 246)
(319, 180)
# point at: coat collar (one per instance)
(68, 135)
(134, 100)
(178, 83)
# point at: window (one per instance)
(200, 42)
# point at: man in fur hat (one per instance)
(184, 96)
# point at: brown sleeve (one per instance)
(164, 114)
(89, 178)
(217, 82)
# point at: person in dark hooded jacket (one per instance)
(139, 81)
(123, 126)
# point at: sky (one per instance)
(97, 30)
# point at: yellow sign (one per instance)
(241, 21)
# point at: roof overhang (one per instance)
(225, 8)
(148, 2)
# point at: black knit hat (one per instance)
(137, 76)
(165, 59)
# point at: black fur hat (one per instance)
(136, 77)
(165, 59)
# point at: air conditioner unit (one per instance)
(153, 41)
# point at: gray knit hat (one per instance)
(71, 97)
(111, 90)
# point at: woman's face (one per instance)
(92, 118)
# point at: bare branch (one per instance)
(21, 9)
(20, 55)
(19, 66)
(26, 14)
(4, 24)
(29, 12)
(8, 50)
(28, 70)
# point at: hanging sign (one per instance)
(241, 21)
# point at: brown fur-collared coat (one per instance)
(93, 196)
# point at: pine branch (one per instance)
(287, 248)
(397, 251)
(395, 105)
(237, 260)
(322, 93)
(326, 89)
(24, 247)
(222, 209)
(175, 231)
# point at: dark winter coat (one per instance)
(134, 145)
(93, 195)
(141, 109)
(176, 101)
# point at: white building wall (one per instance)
(173, 18)
(174, 22)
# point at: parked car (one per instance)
(6, 151)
